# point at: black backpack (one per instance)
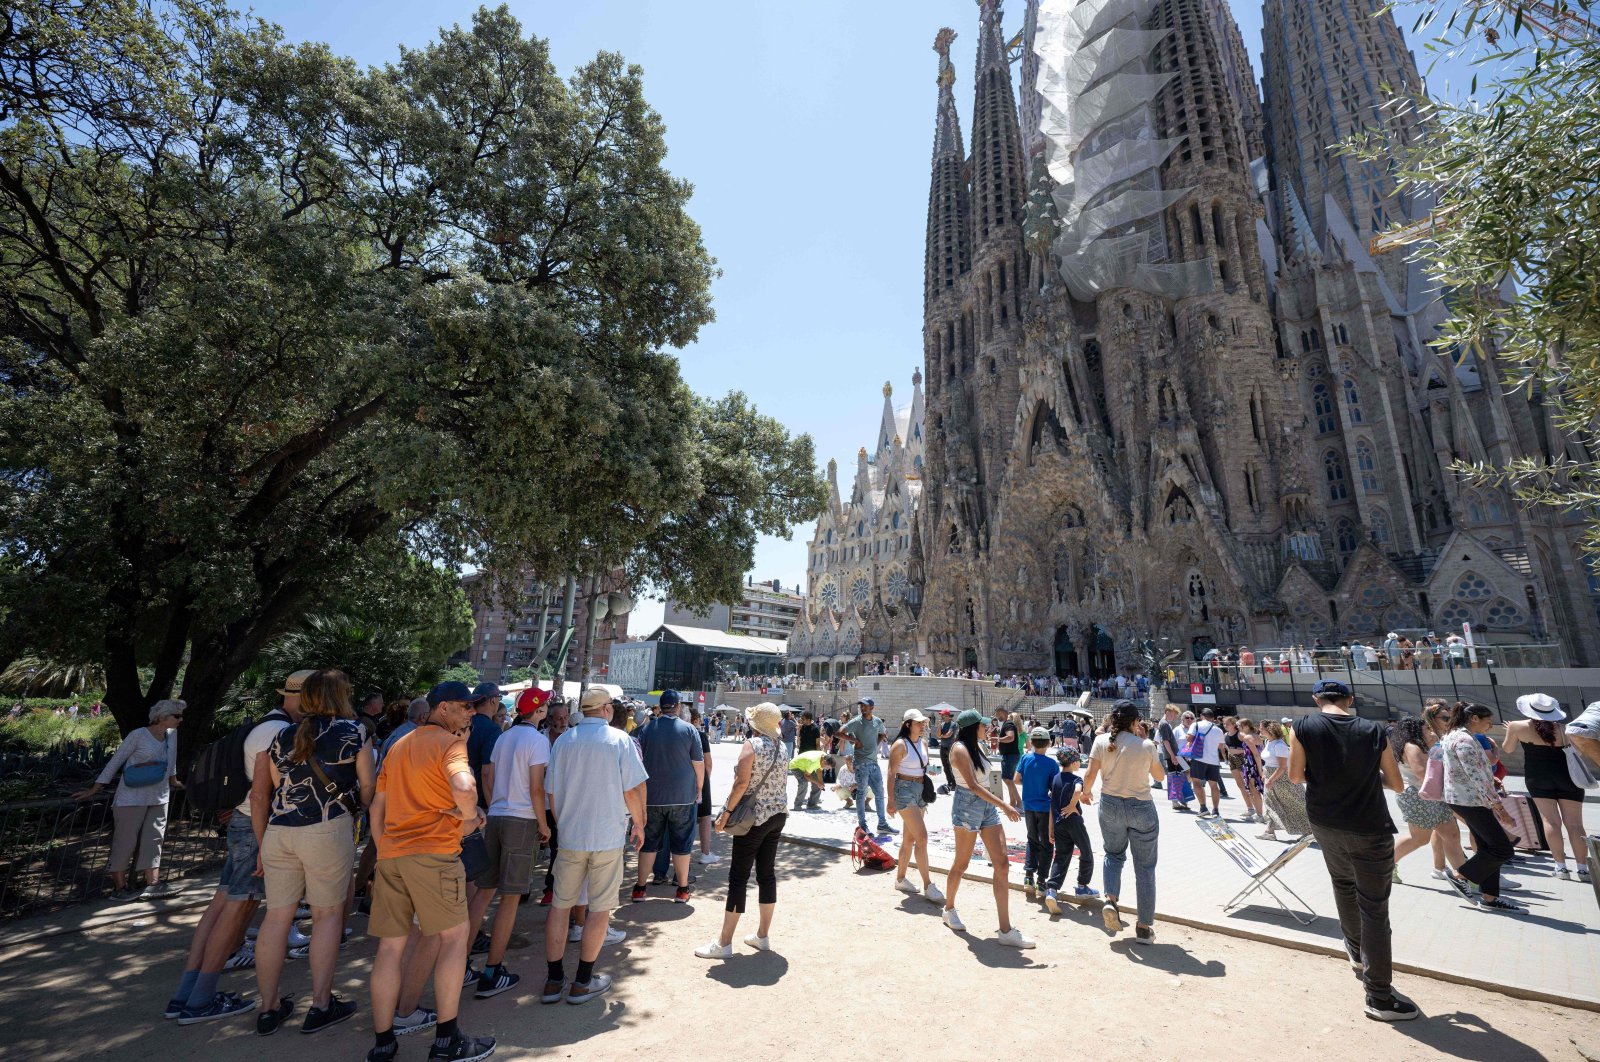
(217, 780)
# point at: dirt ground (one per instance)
(857, 970)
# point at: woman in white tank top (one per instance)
(908, 766)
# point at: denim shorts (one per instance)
(908, 794)
(1008, 766)
(239, 870)
(973, 813)
(672, 824)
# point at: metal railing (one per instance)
(54, 853)
(1380, 693)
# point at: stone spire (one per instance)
(999, 173)
(1330, 74)
(949, 246)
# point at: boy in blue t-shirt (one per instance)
(1067, 797)
(1036, 770)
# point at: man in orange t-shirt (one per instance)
(426, 802)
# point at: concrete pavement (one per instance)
(1552, 953)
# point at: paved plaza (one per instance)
(1552, 952)
(856, 969)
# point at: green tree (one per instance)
(268, 320)
(1514, 176)
(461, 673)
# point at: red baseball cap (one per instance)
(531, 700)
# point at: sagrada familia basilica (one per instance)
(1169, 394)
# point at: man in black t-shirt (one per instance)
(810, 733)
(1345, 762)
(1008, 741)
(946, 739)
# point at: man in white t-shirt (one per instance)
(239, 887)
(1205, 769)
(516, 828)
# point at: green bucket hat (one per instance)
(968, 717)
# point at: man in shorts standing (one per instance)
(596, 783)
(240, 888)
(676, 766)
(1205, 770)
(1008, 742)
(516, 828)
(426, 802)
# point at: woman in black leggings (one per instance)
(762, 776)
(1470, 792)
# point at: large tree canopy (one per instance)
(268, 316)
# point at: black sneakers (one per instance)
(267, 1021)
(463, 1048)
(1395, 1008)
(337, 1010)
(494, 980)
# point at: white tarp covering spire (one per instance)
(1102, 150)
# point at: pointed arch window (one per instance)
(1352, 400)
(1381, 533)
(1333, 468)
(1346, 534)
(1367, 467)
(1322, 406)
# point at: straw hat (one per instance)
(765, 718)
(293, 683)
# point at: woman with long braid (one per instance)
(1127, 817)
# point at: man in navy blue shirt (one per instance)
(676, 765)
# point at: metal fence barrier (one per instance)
(54, 853)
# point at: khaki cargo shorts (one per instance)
(431, 887)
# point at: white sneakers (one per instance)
(706, 859)
(718, 950)
(930, 892)
(613, 935)
(1013, 938)
(953, 920)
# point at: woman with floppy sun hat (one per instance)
(761, 775)
(1544, 740)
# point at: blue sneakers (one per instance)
(222, 1005)
(1086, 893)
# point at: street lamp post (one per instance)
(601, 605)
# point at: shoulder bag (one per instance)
(929, 793)
(1578, 767)
(146, 774)
(1432, 787)
(742, 816)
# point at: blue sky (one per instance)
(806, 130)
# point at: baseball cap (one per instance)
(968, 717)
(913, 716)
(1039, 733)
(531, 700)
(946, 711)
(484, 691)
(669, 698)
(294, 682)
(1331, 687)
(449, 691)
(868, 701)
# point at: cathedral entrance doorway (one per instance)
(1102, 655)
(1066, 654)
(1201, 646)
(969, 658)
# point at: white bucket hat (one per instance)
(1541, 706)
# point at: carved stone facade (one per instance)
(860, 599)
(1263, 459)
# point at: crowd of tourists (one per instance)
(460, 798)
